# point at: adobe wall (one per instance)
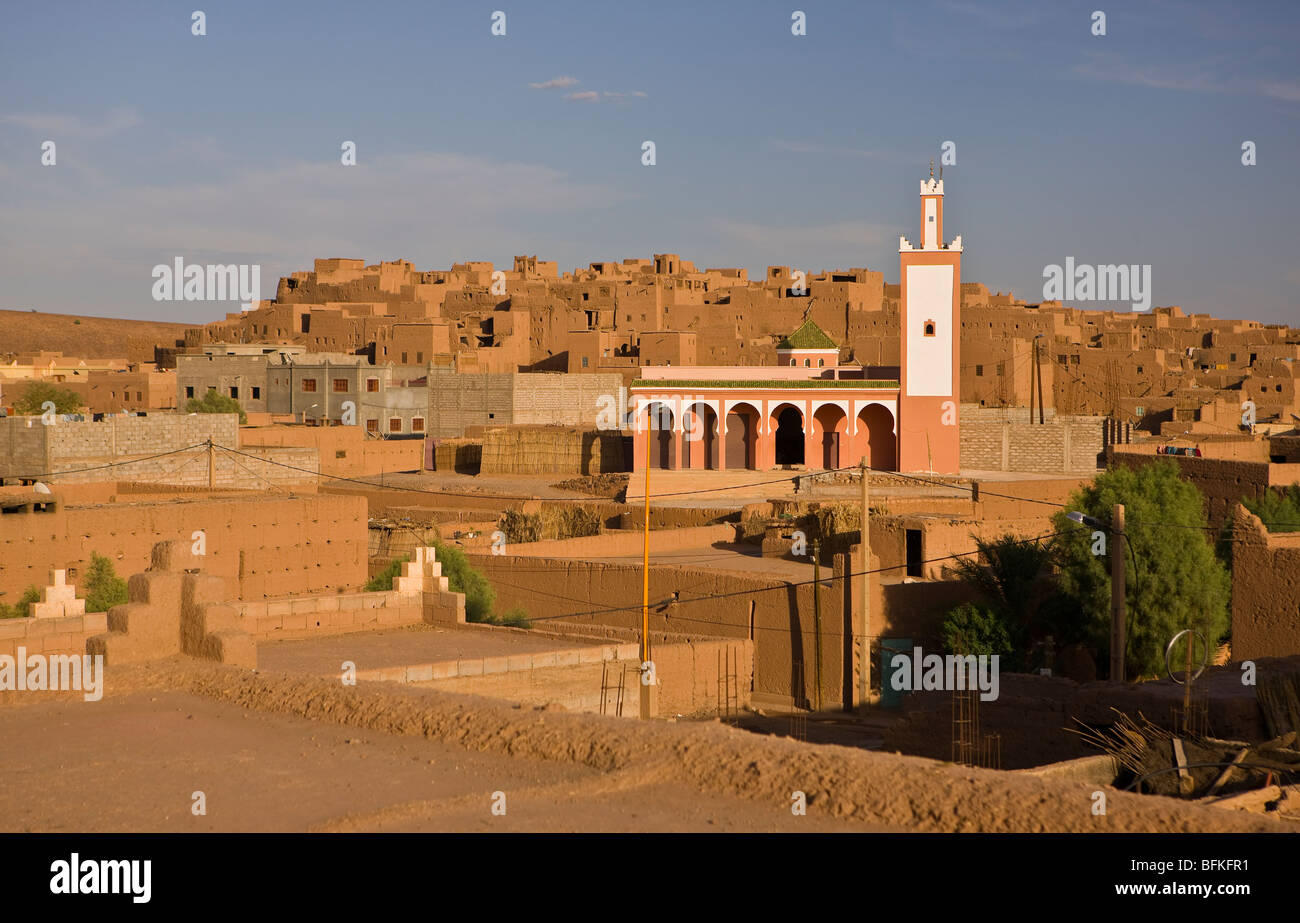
(693, 677)
(264, 547)
(342, 451)
(619, 543)
(776, 616)
(1265, 590)
(1033, 712)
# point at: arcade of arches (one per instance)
(788, 433)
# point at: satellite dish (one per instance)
(40, 488)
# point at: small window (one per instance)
(792, 362)
(140, 397)
(234, 392)
(372, 385)
(395, 425)
(340, 453)
(372, 426)
(821, 363)
(807, 363)
(584, 362)
(340, 385)
(417, 424)
(189, 392)
(979, 371)
(257, 393)
(419, 358)
(1139, 370)
(309, 385)
(929, 328)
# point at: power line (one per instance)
(49, 474)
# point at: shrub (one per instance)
(384, 579)
(103, 587)
(19, 609)
(212, 402)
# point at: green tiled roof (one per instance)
(809, 336)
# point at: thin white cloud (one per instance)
(556, 83)
(55, 126)
(1207, 76)
(603, 96)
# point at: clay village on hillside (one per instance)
(650, 546)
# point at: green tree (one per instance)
(1279, 510)
(212, 402)
(33, 399)
(1010, 575)
(1173, 579)
(103, 587)
(974, 629)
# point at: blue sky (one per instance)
(771, 148)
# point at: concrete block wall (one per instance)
(1064, 445)
(459, 400)
(564, 399)
(317, 616)
(125, 436)
(65, 635)
(23, 447)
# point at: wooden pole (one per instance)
(864, 556)
(212, 465)
(1118, 614)
(645, 555)
(646, 697)
(1038, 368)
(817, 620)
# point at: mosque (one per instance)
(809, 411)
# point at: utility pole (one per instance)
(864, 557)
(1118, 613)
(646, 705)
(212, 465)
(817, 620)
(1038, 369)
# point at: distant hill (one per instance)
(93, 338)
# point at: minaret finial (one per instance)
(931, 168)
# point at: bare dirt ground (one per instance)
(279, 752)
(399, 647)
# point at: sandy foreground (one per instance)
(271, 751)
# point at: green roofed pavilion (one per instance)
(808, 336)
